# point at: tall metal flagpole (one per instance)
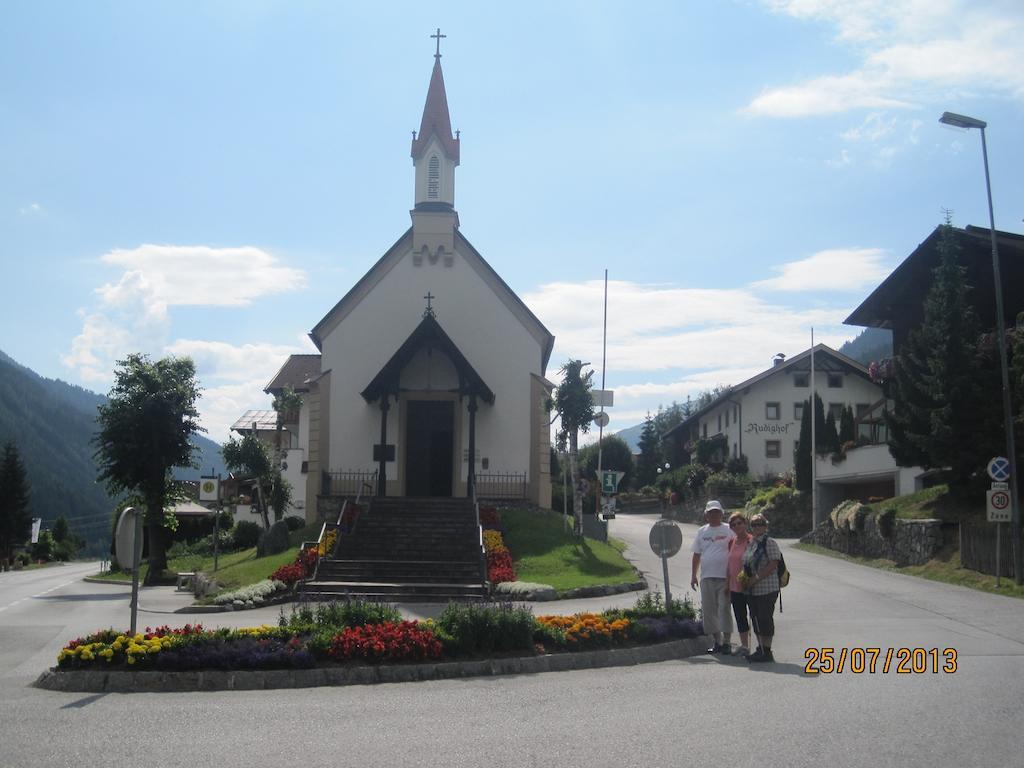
(599, 496)
(814, 444)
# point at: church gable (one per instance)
(418, 269)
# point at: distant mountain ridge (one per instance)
(53, 423)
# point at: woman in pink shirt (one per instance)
(738, 597)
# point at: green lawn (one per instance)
(544, 553)
(935, 503)
(234, 569)
(945, 568)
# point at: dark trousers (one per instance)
(762, 613)
(740, 602)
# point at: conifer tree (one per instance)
(847, 427)
(802, 461)
(831, 434)
(650, 453)
(15, 519)
(943, 414)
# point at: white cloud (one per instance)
(170, 275)
(221, 406)
(667, 342)
(842, 161)
(912, 52)
(33, 209)
(840, 269)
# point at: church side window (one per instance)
(433, 177)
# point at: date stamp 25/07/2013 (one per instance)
(903, 661)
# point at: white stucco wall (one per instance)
(749, 429)
(492, 339)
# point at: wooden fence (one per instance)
(978, 549)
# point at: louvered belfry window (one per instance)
(433, 177)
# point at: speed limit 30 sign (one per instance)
(998, 506)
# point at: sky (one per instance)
(208, 179)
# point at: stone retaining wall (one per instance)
(910, 542)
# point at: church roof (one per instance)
(435, 120)
(428, 333)
(296, 372)
(472, 257)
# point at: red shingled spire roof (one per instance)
(435, 118)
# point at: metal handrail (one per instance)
(480, 537)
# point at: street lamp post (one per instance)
(962, 121)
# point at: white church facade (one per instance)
(430, 378)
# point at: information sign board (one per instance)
(998, 506)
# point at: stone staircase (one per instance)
(406, 549)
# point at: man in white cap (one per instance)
(711, 555)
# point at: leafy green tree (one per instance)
(946, 397)
(251, 457)
(145, 431)
(42, 550)
(574, 406)
(615, 454)
(15, 519)
(286, 405)
(650, 453)
(847, 427)
(66, 543)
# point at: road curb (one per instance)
(124, 681)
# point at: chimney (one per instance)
(778, 360)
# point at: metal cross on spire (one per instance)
(429, 311)
(437, 36)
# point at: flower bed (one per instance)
(499, 559)
(358, 632)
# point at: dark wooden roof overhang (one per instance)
(430, 335)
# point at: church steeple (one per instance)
(435, 151)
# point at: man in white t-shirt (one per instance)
(711, 555)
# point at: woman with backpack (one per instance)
(761, 566)
(737, 594)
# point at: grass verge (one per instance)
(945, 568)
(545, 553)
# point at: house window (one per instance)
(835, 380)
(704, 429)
(719, 422)
(736, 414)
(772, 449)
(735, 451)
(433, 177)
(836, 409)
(771, 411)
(798, 411)
(726, 419)
(862, 410)
(801, 380)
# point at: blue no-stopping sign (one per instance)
(999, 469)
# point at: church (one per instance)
(430, 379)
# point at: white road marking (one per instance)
(33, 597)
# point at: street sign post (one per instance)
(999, 469)
(998, 506)
(666, 539)
(128, 549)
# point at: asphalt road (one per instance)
(703, 710)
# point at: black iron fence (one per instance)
(501, 485)
(351, 483)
